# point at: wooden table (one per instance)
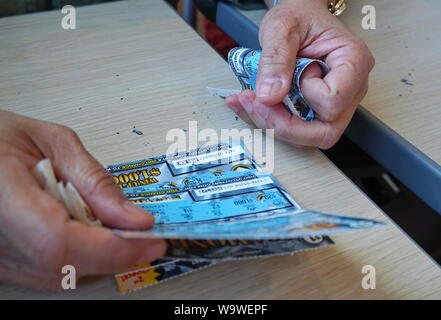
(143, 52)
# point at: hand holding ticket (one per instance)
(245, 64)
(200, 194)
(64, 193)
(324, 95)
(39, 198)
(305, 29)
(214, 204)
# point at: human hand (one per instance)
(37, 237)
(305, 28)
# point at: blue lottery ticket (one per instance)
(280, 224)
(170, 168)
(201, 194)
(245, 64)
(215, 250)
(151, 275)
(186, 182)
(219, 208)
(246, 193)
(216, 197)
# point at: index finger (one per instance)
(96, 251)
(39, 227)
(349, 68)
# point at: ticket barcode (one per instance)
(208, 157)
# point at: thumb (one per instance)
(73, 163)
(279, 38)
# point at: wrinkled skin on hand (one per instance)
(37, 237)
(305, 28)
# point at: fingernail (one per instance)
(155, 249)
(263, 111)
(138, 213)
(247, 105)
(269, 86)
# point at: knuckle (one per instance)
(359, 45)
(330, 137)
(282, 30)
(331, 107)
(283, 21)
(370, 60)
(354, 66)
(65, 135)
(364, 54)
(97, 179)
(56, 128)
(330, 111)
(70, 135)
(282, 131)
(275, 56)
(365, 90)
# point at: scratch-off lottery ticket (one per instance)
(215, 204)
(150, 275)
(197, 255)
(245, 64)
(170, 168)
(199, 195)
(188, 182)
(245, 194)
(223, 250)
(279, 224)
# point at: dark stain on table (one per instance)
(139, 133)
